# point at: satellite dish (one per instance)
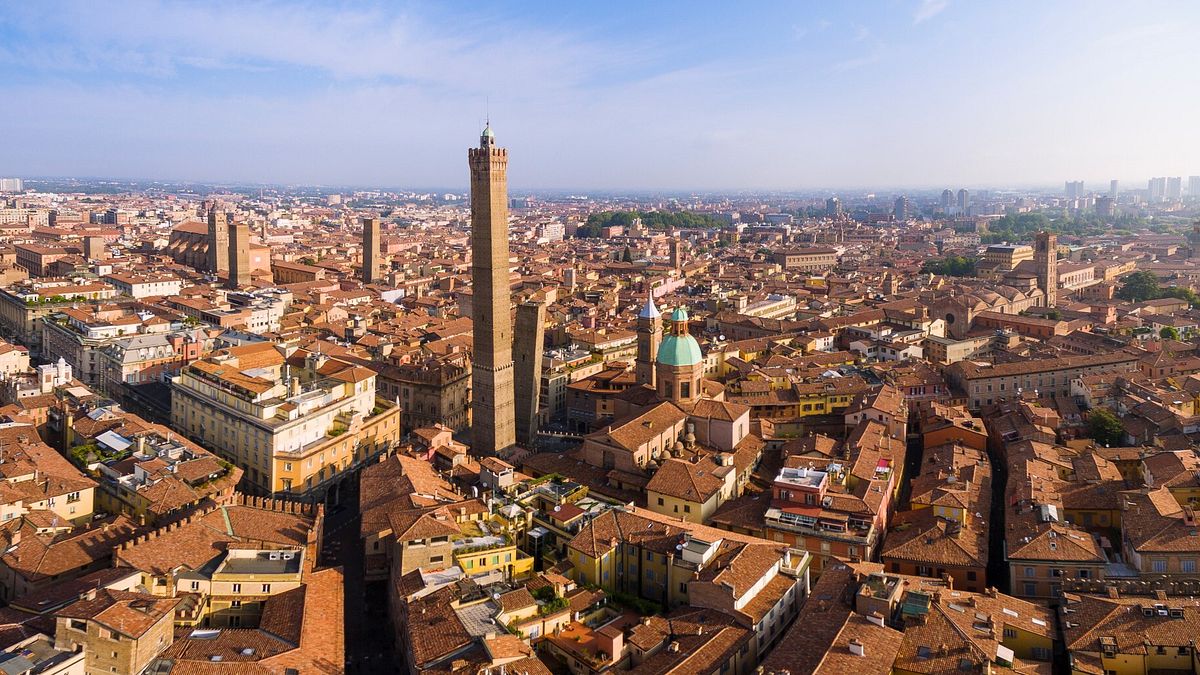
(557, 508)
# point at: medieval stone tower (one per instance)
(370, 255)
(649, 335)
(218, 239)
(1045, 258)
(527, 348)
(493, 427)
(238, 260)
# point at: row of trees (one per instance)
(654, 220)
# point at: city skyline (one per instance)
(917, 95)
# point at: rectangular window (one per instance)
(266, 588)
(971, 575)
(1160, 566)
(237, 588)
(1187, 565)
(1030, 572)
(660, 501)
(1030, 589)
(1010, 633)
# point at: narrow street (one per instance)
(368, 631)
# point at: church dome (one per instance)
(679, 350)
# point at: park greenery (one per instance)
(654, 220)
(1144, 285)
(1022, 227)
(951, 266)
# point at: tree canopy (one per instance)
(1143, 285)
(1021, 227)
(1105, 426)
(951, 266)
(654, 220)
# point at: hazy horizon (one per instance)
(616, 97)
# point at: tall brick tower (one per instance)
(493, 426)
(530, 340)
(239, 255)
(1045, 258)
(218, 239)
(370, 256)
(649, 335)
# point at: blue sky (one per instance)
(604, 95)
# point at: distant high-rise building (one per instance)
(1156, 189)
(1045, 258)
(218, 239)
(370, 256)
(493, 425)
(1105, 207)
(11, 185)
(901, 209)
(1194, 187)
(833, 207)
(1174, 189)
(947, 200)
(1074, 189)
(239, 255)
(1114, 187)
(964, 201)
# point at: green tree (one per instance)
(1168, 333)
(1139, 287)
(1105, 426)
(951, 266)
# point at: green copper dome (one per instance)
(679, 350)
(680, 314)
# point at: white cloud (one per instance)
(929, 9)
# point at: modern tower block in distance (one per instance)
(370, 255)
(493, 427)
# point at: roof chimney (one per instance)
(857, 648)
